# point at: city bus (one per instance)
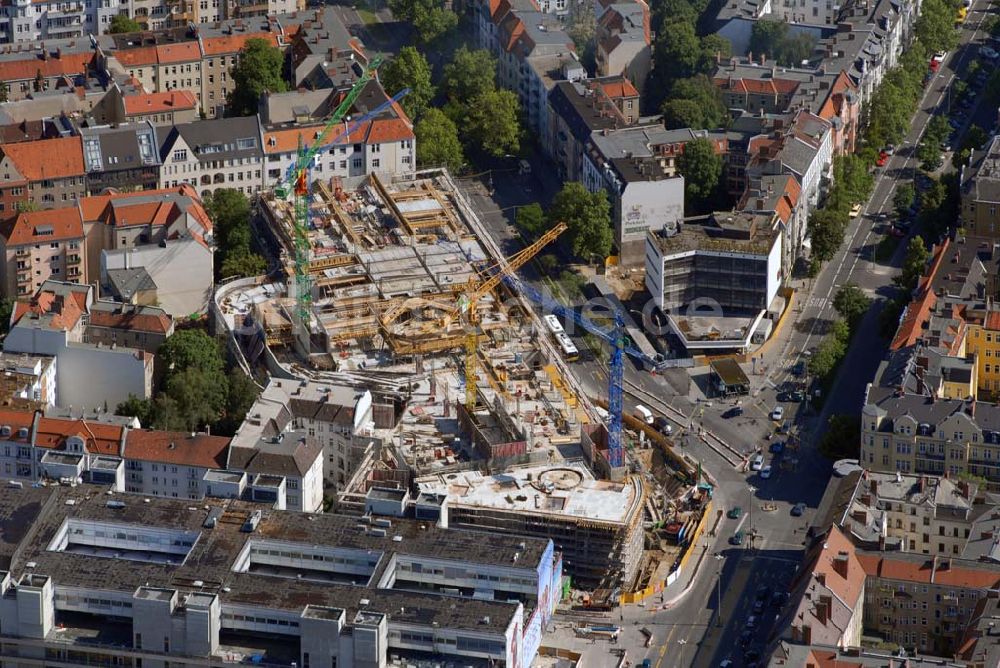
(566, 347)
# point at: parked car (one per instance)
(734, 513)
(856, 210)
(757, 463)
(799, 369)
(663, 425)
(777, 447)
(778, 413)
(758, 607)
(751, 622)
(765, 472)
(736, 538)
(746, 637)
(751, 655)
(778, 599)
(896, 233)
(988, 53)
(735, 411)
(798, 509)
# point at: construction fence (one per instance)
(657, 587)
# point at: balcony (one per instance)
(23, 278)
(73, 259)
(22, 252)
(73, 272)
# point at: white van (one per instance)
(757, 463)
(643, 414)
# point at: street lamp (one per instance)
(718, 592)
(752, 490)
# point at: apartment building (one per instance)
(384, 144)
(39, 245)
(980, 192)
(284, 586)
(53, 323)
(623, 42)
(341, 419)
(122, 158)
(50, 173)
(533, 54)
(577, 111)
(213, 154)
(922, 514)
(198, 60)
(779, 196)
(28, 381)
(174, 107)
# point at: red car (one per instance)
(883, 158)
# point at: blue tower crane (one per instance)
(619, 347)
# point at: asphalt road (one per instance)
(687, 633)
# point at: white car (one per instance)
(758, 463)
(778, 413)
(988, 53)
(940, 56)
(765, 472)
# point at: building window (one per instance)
(180, 155)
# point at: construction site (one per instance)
(395, 288)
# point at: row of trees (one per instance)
(683, 61)
(229, 210)
(852, 183)
(489, 117)
(196, 391)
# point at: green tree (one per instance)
(677, 50)
(775, 39)
(701, 167)
(242, 264)
(493, 123)
(6, 311)
(675, 10)
(191, 349)
(242, 393)
(409, 69)
(257, 71)
(694, 103)
(842, 438)
(903, 199)
(830, 351)
(137, 407)
(936, 25)
(121, 23)
(430, 18)
(851, 303)
(4, 92)
(913, 264)
(929, 155)
(588, 216)
(437, 141)
(531, 219)
(470, 74)
(852, 182)
(713, 48)
(826, 232)
(198, 395)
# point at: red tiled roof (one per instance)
(183, 52)
(65, 315)
(227, 44)
(992, 320)
(378, 131)
(158, 323)
(47, 159)
(848, 589)
(68, 64)
(145, 55)
(622, 88)
(33, 227)
(17, 420)
(824, 658)
(178, 448)
(917, 313)
(99, 438)
(153, 103)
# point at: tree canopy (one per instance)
(701, 167)
(902, 200)
(409, 69)
(531, 219)
(694, 103)
(469, 74)
(913, 264)
(430, 18)
(851, 303)
(778, 42)
(257, 71)
(229, 210)
(588, 216)
(493, 123)
(121, 23)
(437, 141)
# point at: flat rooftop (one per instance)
(724, 232)
(568, 490)
(31, 519)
